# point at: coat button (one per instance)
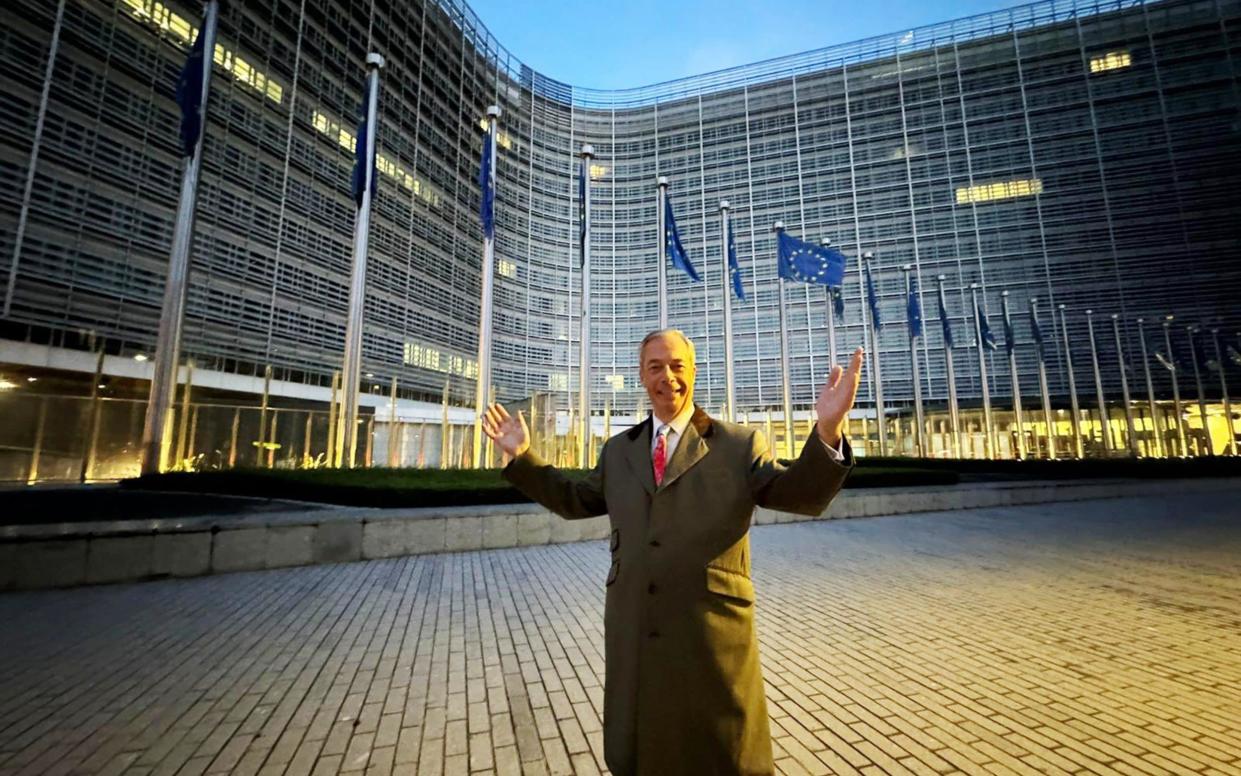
(654, 634)
(650, 589)
(654, 542)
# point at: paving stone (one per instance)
(1094, 636)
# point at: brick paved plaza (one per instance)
(1092, 637)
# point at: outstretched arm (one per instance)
(812, 481)
(535, 477)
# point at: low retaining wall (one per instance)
(68, 554)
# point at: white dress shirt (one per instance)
(676, 429)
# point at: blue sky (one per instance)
(627, 43)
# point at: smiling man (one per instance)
(683, 691)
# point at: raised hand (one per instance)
(510, 433)
(836, 399)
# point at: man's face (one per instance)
(668, 376)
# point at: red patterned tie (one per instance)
(661, 456)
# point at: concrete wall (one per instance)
(67, 554)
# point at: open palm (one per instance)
(509, 432)
(836, 399)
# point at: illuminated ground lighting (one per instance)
(1112, 60)
(989, 192)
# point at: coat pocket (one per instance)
(612, 572)
(730, 583)
(615, 539)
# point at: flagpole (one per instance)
(347, 440)
(172, 316)
(1098, 384)
(1124, 388)
(1012, 376)
(1068, 363)
(583, 393)
(1044, 394)
(954, 412)
(1223, 392)
(730, 393)
(1202, 402)
(880, 413)
(483, 379)
(1176, 388)
(661, 261)
(919, 422)
(988, 436)
(1157, 433)
(787, 396)
(831, 321)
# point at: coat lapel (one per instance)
(690, 450)
(638, 455)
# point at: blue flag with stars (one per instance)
(734, 270)
(1037, 332)
(838, 302)
(487, 183)
(873, 301)
(944, 322)
(1009, 342)
(190, 96)
(676, 251)
(914, 309)
(809, 263)
(364, 157)
(984, 329)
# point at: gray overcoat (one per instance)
(683, 691)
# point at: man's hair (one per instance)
(667, 333)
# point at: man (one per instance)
(683, 692)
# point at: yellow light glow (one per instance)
(597, 171)
(428, 357)
(988, 192)
(501, 137)
(385, 164)
(176, 26)
(1112, 60)
(506, 268)
(616, 381)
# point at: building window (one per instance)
(501, 137)
(386, 165)
(988, 192)
(506, 268)
(1112, 60)
(558, 381)
(616, 381)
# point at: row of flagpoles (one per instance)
(798, 261)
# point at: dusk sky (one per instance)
(612, 45)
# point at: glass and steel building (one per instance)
(1087, 154)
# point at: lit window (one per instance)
(616, 381)
(385, 164)
(427, 357)
(988, 192)
(597, 171)
(173, 24)
(501, 137)
(506, 268)
(1112, 60)
(558, 381)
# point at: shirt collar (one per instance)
(678, 423)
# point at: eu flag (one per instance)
(734, 270)
(1009, 344)
(190, 96)
(676, 251)
(1037, 332)
(581, 210)
(809, 263)
(838, 302)
(364, 157)
(873, 301)
(984, 328)
(944, 322)
(487, 183)
(914, 309)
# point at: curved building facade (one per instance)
(1087, 154)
